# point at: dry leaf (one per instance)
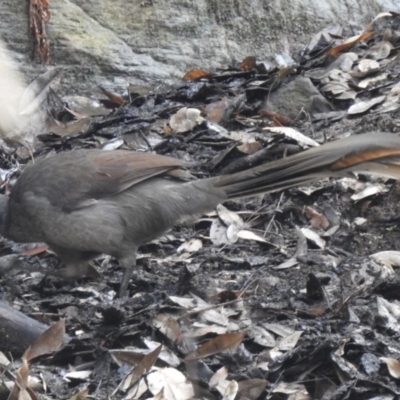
(168, 326)
(313, 237)
(218, 111)
(293, 134)
(229, 217)
(250, 147)
(173, 384)
(369, 191)
(82, 106)
(372, 82)
(48, 342)
(113, 144)
(220, 375)
(226, 231)
(349, 43)
(143, 367)
(229, 391)
(393, 366)
(77, 375)
(261, 336)
(71, 128)
(317, 220)
(219, 344)
(368, 65)
(196, 74)
(184, 302)
(390, 257)
(81, 395)
(118, 100)
(284, 73)
(248, 63)
(136, 392)
(249, 235)
(251, 389)
(135, 356)
(364, 106)
(21, 382)
(380, 15)
(166, 354)
(218, 232)
(278, 120)
(380, 50)
(190, 246)
(389, 312)
(289, 342)
(296, 390)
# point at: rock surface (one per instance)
(156, 41)
(295, 97)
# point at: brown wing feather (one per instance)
(118, 170)
(78, 178)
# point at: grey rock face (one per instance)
(294, 97)
(119, 42)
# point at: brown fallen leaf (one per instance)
(128, 357)
(250, 147)
(348, 44)
(71, 128)
(317, 220)
(169, 326)
(143, 367)
(218, 111)
(48, 342)
(277, 119)
(284, 73)
(81, 395)
(248, 63)
(19, 390)
(118, 100)
(219, 344)
(317, 311)
(196, 74)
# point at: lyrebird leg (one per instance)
(129, 264)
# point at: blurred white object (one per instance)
(11, 88)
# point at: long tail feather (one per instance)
(373, 153)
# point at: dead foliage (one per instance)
(293, 295)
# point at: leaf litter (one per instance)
(291, 295)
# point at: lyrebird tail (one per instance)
(372, 153)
